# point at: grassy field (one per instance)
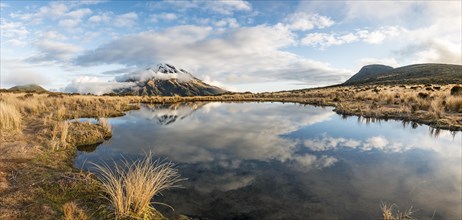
(39, 137)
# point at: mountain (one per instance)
(28, 88)
(165, 80)
(428, 73)
(369, 71)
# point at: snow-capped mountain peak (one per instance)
(162, 71)
(165, 79)
(167, 68)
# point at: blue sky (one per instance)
(239, 45)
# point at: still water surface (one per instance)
(287, 161)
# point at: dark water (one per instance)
(286, 161)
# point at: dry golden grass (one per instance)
(131, 187)
(61, 128)
(105, 124)
(10, 117)
(72, 212)
(391, 212)
(454, 104)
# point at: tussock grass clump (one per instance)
(61, 128)
(454, 103)
(72, 212)
(391, 212)
(130, 187)
(10, 117)
(105, 125)
(456, 90)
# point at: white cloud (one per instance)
(52, 35)
(53, 51)
(15, 42)
(100, 18)
(13, 29)
(53, 11)
(242, 54)
(377, 36)
(74, 18)
(379, 11)
(325, 40)
(16, 72)
(126, 20)
(69, 23)
(304, 21)
(226, 22)
(228, 7)
(94, 85)
(163, 16)
(220, 6)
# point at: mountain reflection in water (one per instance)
(287, 161)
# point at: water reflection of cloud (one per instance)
(223, 182)
(412, 165)
(258, 153)
(444, 144)
(231, 133)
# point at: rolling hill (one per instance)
(27, 88)
(428, 73)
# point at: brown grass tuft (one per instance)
(454, 103)
(61, 128)
(389, 212)
(105, 124)
(10, 117)
(72, 212)
(130, 187)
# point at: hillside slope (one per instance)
(413, 74)
(27, 88)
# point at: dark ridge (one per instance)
(428, 73)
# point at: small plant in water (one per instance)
(130, 187)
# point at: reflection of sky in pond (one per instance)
(286, 161)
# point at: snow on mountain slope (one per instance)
(163, 71)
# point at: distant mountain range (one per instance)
(28, 88)
(165, 80)
(428, 73)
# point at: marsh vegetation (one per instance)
(40, 133)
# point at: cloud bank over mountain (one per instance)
(241, 44)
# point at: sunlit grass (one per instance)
(454, 103)
(391, 212)
(130, 187)
(105, 124)
(61, 128)
(10, 117)
(72, 212)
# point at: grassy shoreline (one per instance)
(40, 139)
